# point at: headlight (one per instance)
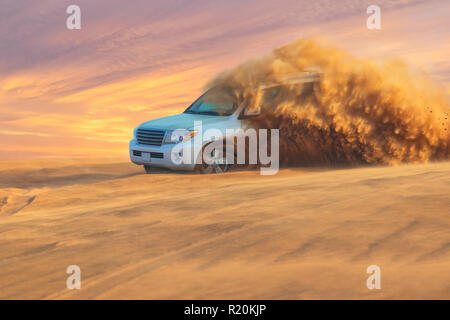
(176, 136)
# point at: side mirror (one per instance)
(249, 113)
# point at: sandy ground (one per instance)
(303, 233)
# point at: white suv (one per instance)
(158, 142)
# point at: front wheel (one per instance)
(214, 163)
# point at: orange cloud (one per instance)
(65, 93)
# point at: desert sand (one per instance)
(301, 234)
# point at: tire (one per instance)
(147, 169)
(215, 167)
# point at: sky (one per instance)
(80, 93)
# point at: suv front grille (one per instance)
(157, 155)
(150, 137)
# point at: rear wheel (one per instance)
(147, 169)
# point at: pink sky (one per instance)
(81, 92)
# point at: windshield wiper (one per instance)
(211, 113)
(208, 113)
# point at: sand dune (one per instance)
(302, 233)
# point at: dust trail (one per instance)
(358, 112)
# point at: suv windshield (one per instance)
(214, 103)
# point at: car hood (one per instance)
(181, 121)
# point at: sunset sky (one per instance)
(81, 92)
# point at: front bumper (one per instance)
(156, 156)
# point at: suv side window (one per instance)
(267, 99)
(263, 102)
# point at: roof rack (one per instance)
(308, 75)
